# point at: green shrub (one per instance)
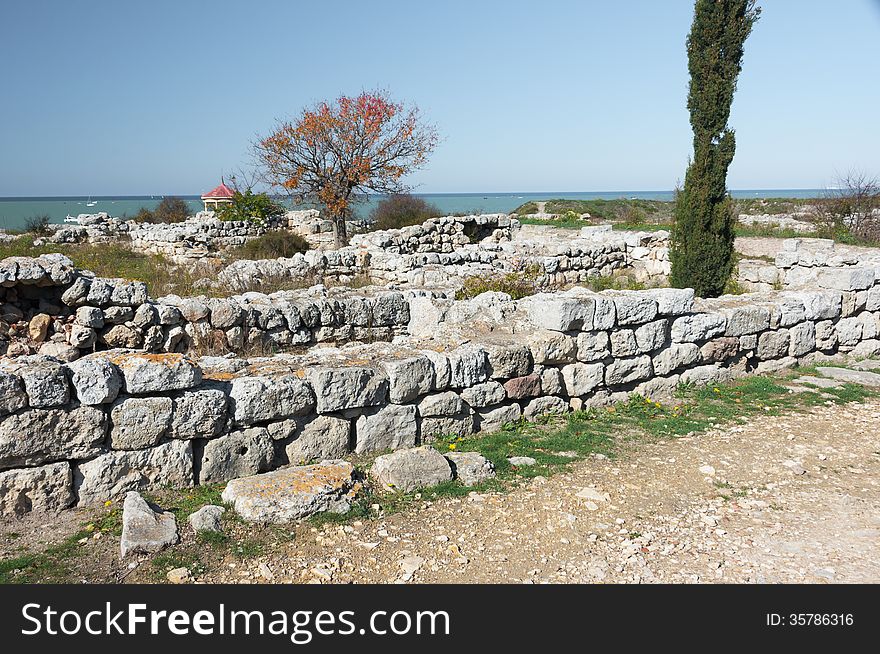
(271, 245)
(517, 284)
(401, 210)
(255, 207)
(38, 225)
(170, 209)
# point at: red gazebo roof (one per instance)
(222, 192)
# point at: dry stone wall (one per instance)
(92, 429)
(812, 263)
(444, 251)
(48, 306)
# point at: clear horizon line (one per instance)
(143, 195)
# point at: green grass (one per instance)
(183, 503)
(58, 563)
(558, 223)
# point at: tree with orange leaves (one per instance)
(334, 152)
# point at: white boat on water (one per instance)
(71, 219)
(91, 203)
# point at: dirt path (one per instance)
(792, 498)
(781, 499)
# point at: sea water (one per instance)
(14, 212)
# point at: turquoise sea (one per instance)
(15, 211)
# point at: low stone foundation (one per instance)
(92, 429)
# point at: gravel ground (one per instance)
(780, 499)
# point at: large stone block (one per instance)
(851, 278)
(677, 355)
(442, 370)
(485, 394)
(746, 320)
(44, 379)
(408, 378)
(352, 387)
(322, 437)
(110, 475)
(722, 349)
(260, 399)
(592, 346)
(773, 344)
(523, 387)
(508, 360)
(468, 365)
(623, 343)
(625, 371)
(672, 301)
(634, 307)
(581, 378)
(550, 348)
(390, 309)
(447, 403)
(559, 313)
(389, 427)
(95, 380)
(237, 454)
(494, 418)
(36, 436)
(470, 468)
(156, 373)
(432, 428)
(702, 375)
(293, 493)
(47, 488)
(145, 529)
(802, 339)
(872, 299)
(139, 422)
(199, 414)
(821, 305)
(542, 406)
(651, 336)
(849, 331)
(605, 314)
(698, 327)
(826, 335)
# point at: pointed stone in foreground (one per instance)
(145, 530)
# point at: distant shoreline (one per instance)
(15, 211)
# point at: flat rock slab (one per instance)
(293, 493)
(851, 376)
(145, 529)
(820, 382)
(867, 364)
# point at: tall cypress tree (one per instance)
(702, 246)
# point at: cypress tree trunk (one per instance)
(702, 245)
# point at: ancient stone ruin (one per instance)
(106, 390)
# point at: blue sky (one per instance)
(162, 97)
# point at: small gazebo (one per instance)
(217, 196)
